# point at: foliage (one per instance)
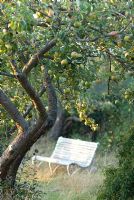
(119, 181)
(23, 190)
(26, 186)
(74, 68)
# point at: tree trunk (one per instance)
(13, 155)
(57, 128)
(27, 136)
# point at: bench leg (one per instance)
(53, 170)
(40, 164)
(74, 172)
(33, 162)
(68, 170)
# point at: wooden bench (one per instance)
(70, 152)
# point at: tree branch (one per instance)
(35, 58)
(42, 24)
(57, 128)
(118, 59)
(73, 118)
(30, 90)
(86, 39)
(13, 111)
(7, 74)
(52, 98)
(43, 89)
(28, 109)
(109, 78)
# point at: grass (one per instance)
(81, 186)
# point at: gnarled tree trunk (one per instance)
(27, 136)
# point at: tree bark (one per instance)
(51, 96)
(13, 111)
(35, 58)
(28, 109)
(15, 152)
(57, 128)
(30, 90)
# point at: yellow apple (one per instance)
(75, 55)
(50, 72)
(8, 46)
(64, 62)
(4, 31)
(127, 38)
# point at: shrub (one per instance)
(26, 186)
(119, 181)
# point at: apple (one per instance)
(87, 84)
(4, 31)
(66, 91)
(92, 16)
(126, 96)
(64, 62)
(112, 1)
(50, 72)
(42, 68)
(77, 24)
(8, 46)
(116, 101)
(113, 34)
(127, 38)
(75, 55)
(37, 15)
(113, 78)
(56, 54)
(86, 123)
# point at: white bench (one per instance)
(70, 152)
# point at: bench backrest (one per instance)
(75, 151)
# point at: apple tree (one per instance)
(52, 52)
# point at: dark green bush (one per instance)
(26, 186)
(119, 181)
(21, 191)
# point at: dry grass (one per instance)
(81, 186)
